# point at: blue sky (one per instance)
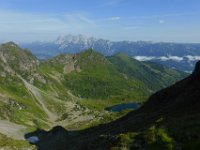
(149, 20)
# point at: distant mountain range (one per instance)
(180, 56)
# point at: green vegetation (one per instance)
(74, 90)
(19, 106)
(157, 138)
(152, 139)
(96, 87)
(98, 104)
(117, 77)
(125, 141)
(9, 143)
(153, 76)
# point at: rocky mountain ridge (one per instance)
(181, 56)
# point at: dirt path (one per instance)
(12, 130)
(73, 97)
(35, 92)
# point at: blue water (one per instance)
(121, 107)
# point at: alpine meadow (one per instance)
(99, 75)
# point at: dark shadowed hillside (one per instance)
(170, 119)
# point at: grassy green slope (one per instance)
(100, 79)
(88, 75)
(17, 104)
(154, 76)
(118, 77)
(34, 94)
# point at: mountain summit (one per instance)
(16, 59)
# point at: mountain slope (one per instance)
(153, 75)
(60, 91)
(34, 98)
(168, 120)
(99, 78)
(91, 75)
(15, 99)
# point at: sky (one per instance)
(116, 20)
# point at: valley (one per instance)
(71, 91)
(100, 75)
(168, 120)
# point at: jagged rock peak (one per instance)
(10, 44)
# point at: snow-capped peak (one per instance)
(74, 39)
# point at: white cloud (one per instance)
(87, 20)
(192, 58)
(163, 58)
(163, 16)
(32, 26)
(112, 2)
(131, 27)
(103, 20)
(176, 58)
(145, 58)
(168, 58)
(20, 26)
(161, 21)
(114, 18)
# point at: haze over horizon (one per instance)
(116, 20)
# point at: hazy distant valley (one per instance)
(181, 56)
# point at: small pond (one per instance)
(124, 106)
